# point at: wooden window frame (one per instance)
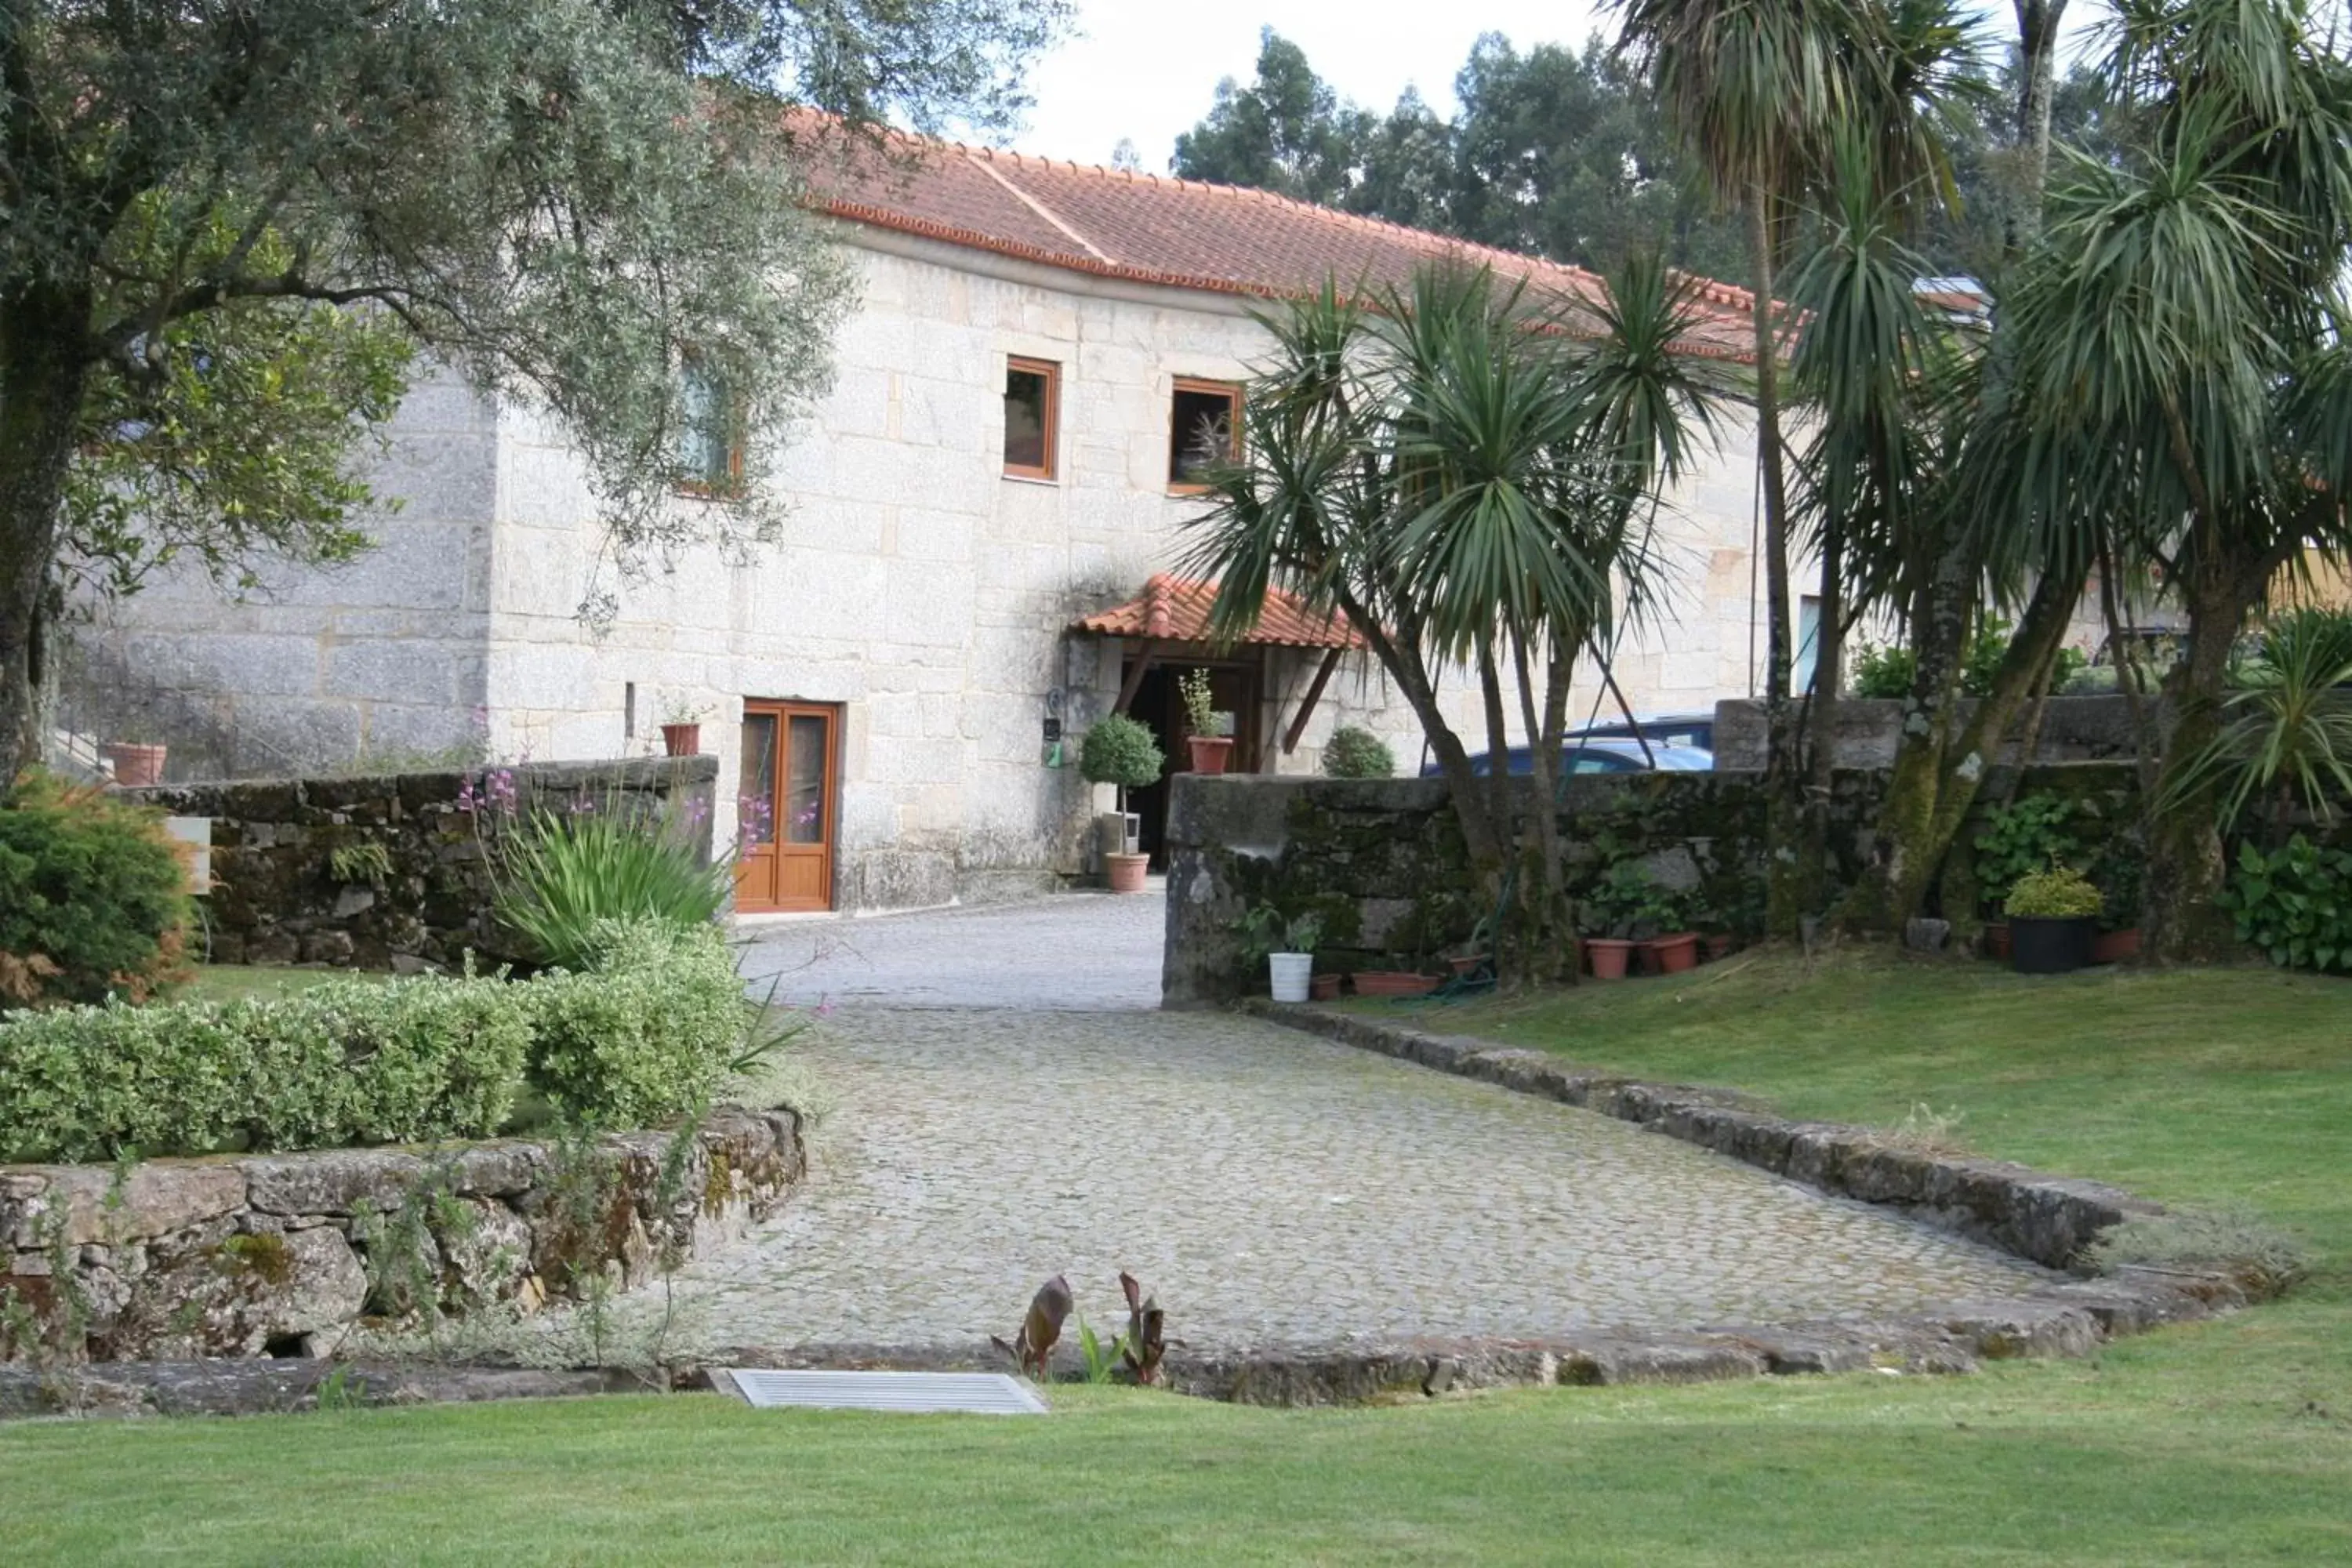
(730, 487)
(1050, 472)
(1232, 392)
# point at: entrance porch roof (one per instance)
(1176, 609)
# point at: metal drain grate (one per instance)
(976, 1393)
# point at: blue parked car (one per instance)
(1600, 755)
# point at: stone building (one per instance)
(985, 510)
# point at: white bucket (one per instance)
(1292, 971)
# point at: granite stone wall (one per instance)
(283, 1254)
(1383, 861)
(2073, 730)
(390, 871)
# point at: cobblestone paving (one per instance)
(1275, 1190)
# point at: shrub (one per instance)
(560, 876)
(353, 1061)
(647, 1035)
(2024, 835)
(1353, 753)
(1884, 671)
(2294, 903)
(2056, 892)
(1120, 750)
(93, 897)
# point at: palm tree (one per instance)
(1468, 474)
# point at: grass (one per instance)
(2224, 1442)
(236, 982)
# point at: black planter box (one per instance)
(2047, 944)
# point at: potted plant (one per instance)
(1323, 988)
(1393, 983)
(2118, 941)
(1474, 955)
(1120, 752)
(135, 763)
(1209, 732)
(681, 726)
(1287, 943)
(2053, 916)
(2018, 838)
(1606, 915)
(1661, 931)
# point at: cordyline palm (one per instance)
(1467, 475)
(2181, 329)
(2288, 737)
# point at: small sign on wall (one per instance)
(195, 836)
(1053, 752)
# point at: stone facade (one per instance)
(390, 871)
(2073, 730)
(916, 586)
(1383, 861)
(283, 1254)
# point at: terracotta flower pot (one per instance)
(1126, 872)
(2116, 946)
(1671, 954)
(1469, 963)
(1393, 983)
(1718, 945)
(1323, 988)
(682, 739)
(1608, 956)
(1210, 753)
(1996, 939)
(135, 766)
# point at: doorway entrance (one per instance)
(787, 802)
(1234, 687)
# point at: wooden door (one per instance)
(787, 802)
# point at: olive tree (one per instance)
(227, 223)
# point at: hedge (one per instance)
(375, 1061)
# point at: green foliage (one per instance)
(367, 861)
(2288, 736)
(1355, 752)
(648, 1035)
(2019, 838)
(1120, 750)
(2055, 892)
(1628, 904)
(351, 1061)
(1267, 929)
(2294, 903)
(2234, 1240)
(561, 875)
(1201, 713)
(1883, 669)
(93, 897)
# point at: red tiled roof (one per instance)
(1182, 234)
(1176, 609)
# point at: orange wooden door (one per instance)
(786, 806)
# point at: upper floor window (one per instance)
(710, 431)
(1204, 430)
(1033, 410)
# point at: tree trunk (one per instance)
(44, 369)
(2037, 36)
(2185, 866)
(1785, 892)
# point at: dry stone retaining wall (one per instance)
(279, 1254)
(276, 897)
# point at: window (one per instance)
(1809, 636)
(709, 436)
(1032, 407)
(1203, 430)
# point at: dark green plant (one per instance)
(1628, 904)
(1883, 669)
(561, 875)
(2054, 892)
(1120, 750)
(2287, 735)
(2294, 903)
(1355, 752)
(367, 861)
(1267, 929)
(93, 897)
(2024, 835)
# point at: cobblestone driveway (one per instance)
(1275, 1190)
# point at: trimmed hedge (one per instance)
(645, 1035)
(646, 1038)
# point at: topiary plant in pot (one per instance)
(2053, 916)
(1120, 751)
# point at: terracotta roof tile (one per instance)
(1179, 233)
(1176, 609)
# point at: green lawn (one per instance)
(236, 982)
(2221, 1442)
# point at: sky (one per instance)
(1147, 70)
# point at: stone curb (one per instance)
(269, 1386)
